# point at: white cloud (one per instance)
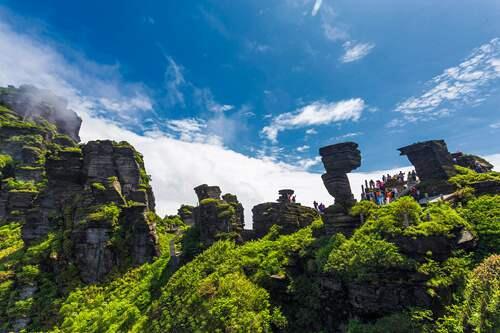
(348, 135)
(317, 113)
(465, 84)
(303, 148)
(495, 125)
(354, 51)
(176, 166)
(495, 160)
(192, 130)
(205, 99)
(311, 131)
(306, 164)
(316, 7)
(174, 81)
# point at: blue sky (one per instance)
(224, 71)
(270, 80)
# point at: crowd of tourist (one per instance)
(385, 190)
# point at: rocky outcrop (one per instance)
(338, 160)
(470, 161)
(186, 213)
(433, 164)
(217, 218)
(32, 103)
(96, 196)
(288, 216)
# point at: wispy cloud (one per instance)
(469, 83)
(316, 7)
(317, 113)
(303, 148)
(174, 81)
(205, 99)
(495, 125)
(334, 33)
(307, 163)
(354, 51)
(311, 131)
(348, 135)
(192, 130)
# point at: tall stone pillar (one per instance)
(338, 160)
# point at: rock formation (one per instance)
(340, 159)
(433, 164)
(217, 218)
(31, 103)
(288, 216)
(469, 161)
(185, 212)
(96, 195)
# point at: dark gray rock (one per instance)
(218, 218)
(290, 217)
(340, 159)
(431, 160)
(207, 192)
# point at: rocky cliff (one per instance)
(92, 201)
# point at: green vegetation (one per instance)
(109, 212)
(98, 186)
(363, 256)
(5, 160)
(466, 177)
(12, 184)
(144, 177)
(118, 306)
(484, 214)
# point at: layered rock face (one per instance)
(288, 216)
(433, 164)
(218, 218)
(95, 197)
(340, 159)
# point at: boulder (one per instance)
(290, 217)
(431, 160)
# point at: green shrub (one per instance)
(20, 185)
(109, 212)
(484, 214)
(481, 310)
(466, 177)
(5, 160)
(98, 186)
(362, 256)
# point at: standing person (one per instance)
(384, 178)
(378, 183)
(372, 183)
(321, 208)
(395, 193)
(293, 199)
(401, 176)
(315, 203)
(414, 175)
